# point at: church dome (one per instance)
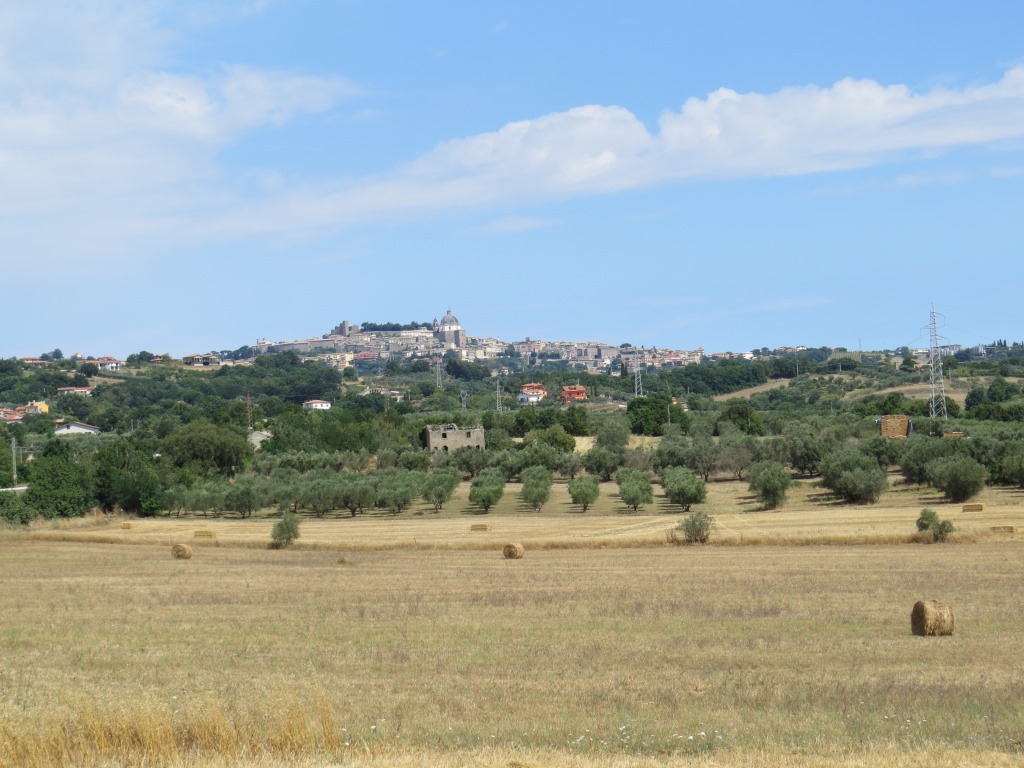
(450, 322)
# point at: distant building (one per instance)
(199, 360)
(450, 437)
(316, 405)
(77, 428)
(35, 408)
(573, 393)
(449, 332)
(531, 394)
(85, 391)
(257, 437)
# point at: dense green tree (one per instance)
(487, 489)
(920, 450)
(854, 476)
(439, 486)
(703, 456)
(958, 477)
(648, 415)
(207, 447)
(769, 481)
(736, 453)
(672, 451)
(584, 491)
(682, 487)
(536, 487)
(469, 460)
(58, 486)
(613, 433)
(602, 462)
(636, 493)
(243, 497)
(398, 490)
(741, 413)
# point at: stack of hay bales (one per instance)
(513, 551)
(480, 527)
(931, 617)
(181, 552)
(895, 426)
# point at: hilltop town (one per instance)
(348, 343)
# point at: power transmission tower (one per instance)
(638, 383)
(464, 396)
(14, 459)
(937, 404)
(497, 395)
(437, 370)
(248, 409)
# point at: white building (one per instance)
(316, 405)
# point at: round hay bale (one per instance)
(181, 552)
(931, 617)
(513, 551)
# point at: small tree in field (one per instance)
(584, 491)
(439, 487)
(536, 487)
(285, 530)
(635, 488)
(487, 489)
(682, 487)
(958, 477)
(769, 481)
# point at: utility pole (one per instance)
(14, 459)
(937, 403)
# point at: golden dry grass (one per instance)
(809, 516)
(768, 386)
(117, 655)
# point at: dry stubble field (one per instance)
(599, 648)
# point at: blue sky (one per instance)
(188, 176)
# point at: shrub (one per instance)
(769, 481)
(15, 510)
(958, 477)
(930, 523)
(695, 528)
(584, 491)
(682, 487)
(285, 530)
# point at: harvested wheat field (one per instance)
(809, 515)
(120, 655)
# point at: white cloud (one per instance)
(106, 149)
(593, 149)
